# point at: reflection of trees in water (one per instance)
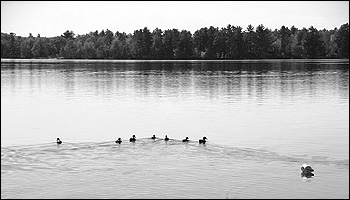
(212, 80)
(232, 81)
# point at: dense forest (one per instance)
(231, 42)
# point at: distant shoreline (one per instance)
(213, 43)
(56, 60)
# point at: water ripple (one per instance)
(179, 170)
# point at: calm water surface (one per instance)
(262, 118)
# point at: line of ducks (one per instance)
(133, 139)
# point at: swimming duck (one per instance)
(59, 141)
(118, 141)
(166, 138)
(202, 141)
(153, 137)
(133, 139)
(307, 169)
(185, 140)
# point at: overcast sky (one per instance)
(52, 18)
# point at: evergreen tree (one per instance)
(342, 39)
(157, 44)
(314, 46)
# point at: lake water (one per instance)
(262, 118)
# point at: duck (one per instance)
(306, 169)
(118, 141)
(166, 138)
(185, 140)
(202, 141)
(153, 137)
(133, 139)
(59, 141)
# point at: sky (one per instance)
(52, 18)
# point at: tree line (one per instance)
(230, 42)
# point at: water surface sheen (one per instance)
(262, 118)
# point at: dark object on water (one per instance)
(153, 137)
(118, 141)
(59, 141)
(166, 138)
(133, 139)
(202, 141)
(307, 175)
(185, 140)
(306, 168)
(307, 171)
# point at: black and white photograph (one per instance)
(174, 99)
